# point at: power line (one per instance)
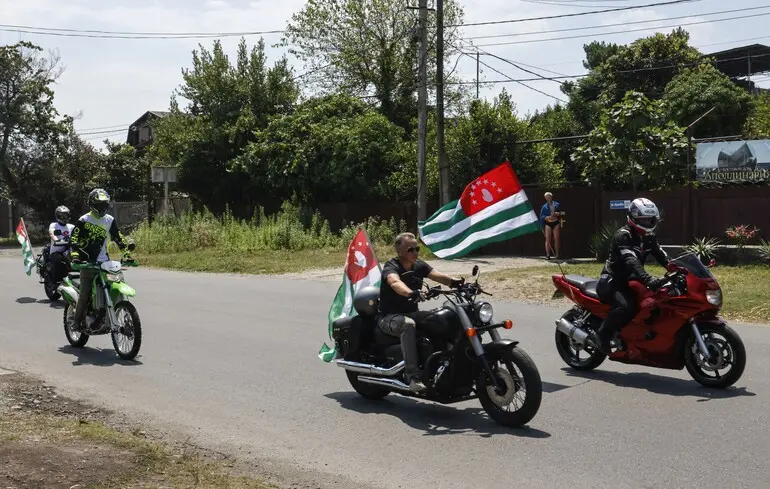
(649, 21)
(625, 31)
(100, 34)
(520, 82)
(561, 16)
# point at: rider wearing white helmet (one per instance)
(629, 249)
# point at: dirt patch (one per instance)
(49, 442)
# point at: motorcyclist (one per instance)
(629, 249)
(402, 278)
(60, 229)
(89, 245)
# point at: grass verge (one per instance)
(51, 441)
(745, 289)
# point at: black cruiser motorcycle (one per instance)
(456, 363)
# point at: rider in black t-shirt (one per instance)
(399, 293)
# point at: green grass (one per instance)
(746, 290)
(292, 240)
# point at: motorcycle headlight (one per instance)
(714, 297)
(115, 277)
(485, 312)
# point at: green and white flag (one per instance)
(361, 269)
(492, 208)
(26, 246)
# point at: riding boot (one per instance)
(409, 350)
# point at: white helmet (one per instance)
(643, 216)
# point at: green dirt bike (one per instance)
(109, 310)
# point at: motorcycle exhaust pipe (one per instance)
(575, 333)
(365, 368)
(388, 383)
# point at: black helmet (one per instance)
(99, 201)
(62, 215)
(367, 301)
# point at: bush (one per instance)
(600, 242)
(291, 229)
(764, 251)
(703, 248)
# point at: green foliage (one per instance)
(758, 122)
(27, 113)
(704, 248)
(369, 48)
(764, 250)
(330, 149)
(696, 90)
(560, 122)
(599, 244)
(635, 146)
(293, 228)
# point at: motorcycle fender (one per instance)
(69, 293)
(496, 349)
(123, 289)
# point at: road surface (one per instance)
(231, 361)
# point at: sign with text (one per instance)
(619, 205)
(733, 161)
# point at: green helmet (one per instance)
(99, 201)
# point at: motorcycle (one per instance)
(452, 357)
(676, 327)
(49, 275)
(109, 310)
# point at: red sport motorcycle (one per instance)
(677, 326)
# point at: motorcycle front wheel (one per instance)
(726, 350)
(127, 339)
(517, 374)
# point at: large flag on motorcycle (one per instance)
(361, 269)
(26, 246)
(492, 208)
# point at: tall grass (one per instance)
(290, 229)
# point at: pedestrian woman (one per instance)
(550, 219)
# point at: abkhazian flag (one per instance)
(492, 208)
(361, 269)
(26, 246)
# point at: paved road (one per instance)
(232, 361)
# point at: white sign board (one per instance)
(163, 174)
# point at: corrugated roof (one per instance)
(743, 61)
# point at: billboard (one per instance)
(733, 161)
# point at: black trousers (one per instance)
(623, 302)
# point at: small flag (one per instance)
(492, 208)
(361, 269)
(26, 246)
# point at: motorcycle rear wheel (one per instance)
(75, 338)
(366, 390)
(532, 384)
(730, 350)
(50, 291)
(571, 354)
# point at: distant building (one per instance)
(743, 63)
(140, 132)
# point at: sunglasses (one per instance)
(413, 249)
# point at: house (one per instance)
(743, 63)
(140, 132)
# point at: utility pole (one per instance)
(443, 164)
(422, 109)
(477, 75)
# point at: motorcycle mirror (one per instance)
(475, 270)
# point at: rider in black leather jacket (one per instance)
(629, 249)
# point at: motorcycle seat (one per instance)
(587, 285)
(385, 340)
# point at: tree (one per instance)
(228, 103)
(758, 122)
(26, 103)
(368, 48)
(635, 147)
(693, 92)
(126, 173)
(559, 122)
(331, 149)
(487, 137)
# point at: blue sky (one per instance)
(109, 83)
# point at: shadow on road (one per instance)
(433, 419)
(32, 300)
(97, 356)
(661, 385)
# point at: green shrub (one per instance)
(703, 248)
(599, 243)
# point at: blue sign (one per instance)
(619, 204)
